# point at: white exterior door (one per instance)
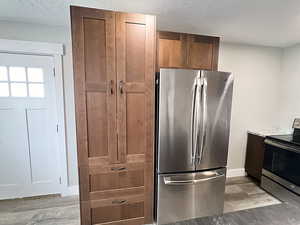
(29, 159)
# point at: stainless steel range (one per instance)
(194, 109)
(281, 167)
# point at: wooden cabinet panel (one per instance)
(201, 52)
(255, 155)
(180, 50)
(135, 126)
(171, 49)
(114, 62)
(94, 39)
(136, 95)
(118, 193)
(135, 52)
(93, 36)
(116, 209)
(94, 69)
(134, 221)
(97, 124)
(117, 180)
(119, 212)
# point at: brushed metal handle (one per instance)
(197, 118)
(119, 201)
(193, 118)
(204, 118)
(169, 181)
(111, 87)
(121, 84)
(118, 168)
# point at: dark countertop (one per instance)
(281, 214)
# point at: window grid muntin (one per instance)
(6, 74)
(9, 82)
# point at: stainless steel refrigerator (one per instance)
(193, 121)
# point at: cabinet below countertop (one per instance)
(255, 155)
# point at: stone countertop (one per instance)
(264, 133)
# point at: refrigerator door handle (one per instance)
(194, 120)
(203, 119)
(169, 181)
(197, 118)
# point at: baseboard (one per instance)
(239, 172)
(71, 190)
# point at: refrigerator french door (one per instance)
(194, 109)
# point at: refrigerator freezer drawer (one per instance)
(190, 195)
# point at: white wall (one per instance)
(256, 70)
(34, 32)
(257, 77)
(290, 86)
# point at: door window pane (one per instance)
(36, 90)
(3, 73)
(18, 89)
(4, 92)
(17, 73)
(35, 74)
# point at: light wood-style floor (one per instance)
(244, 193)
(51, 210)
(241, 193)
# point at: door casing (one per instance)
(55, 50)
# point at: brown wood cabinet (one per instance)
(255, 155)
(180, 50)
(114, 63)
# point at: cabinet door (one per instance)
(171, 49)
(255, 155)
(93, 34)
(202, 52)
(135, 43)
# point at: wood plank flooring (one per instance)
(244, 193)
(280, 214)
(40, 211)
(274, 214)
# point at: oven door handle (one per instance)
(283, 146)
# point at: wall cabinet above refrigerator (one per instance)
(189, 51)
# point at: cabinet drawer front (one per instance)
(118, 193)
(134, 221)
(116, 209)
(116, 177)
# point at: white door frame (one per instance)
(55, 50)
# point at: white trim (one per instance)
(56, 51)
(30, 47)
(62, 145)
(71, 190)
(239, 172)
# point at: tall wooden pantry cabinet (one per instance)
(114, 66)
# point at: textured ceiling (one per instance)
(260, 22)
